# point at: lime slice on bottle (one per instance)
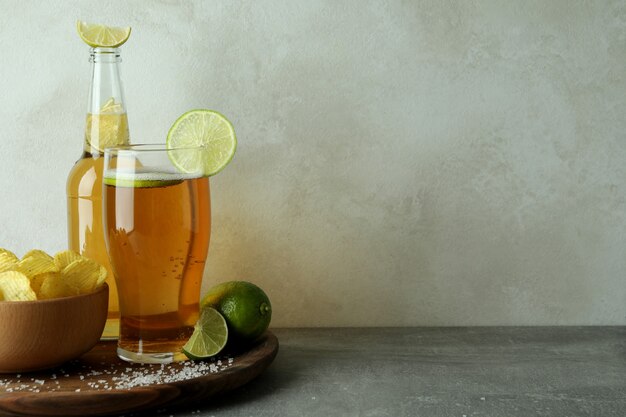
(206, 128)
(209, 336)
(101, 36)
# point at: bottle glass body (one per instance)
(106, 125)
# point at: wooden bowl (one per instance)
(36, 335)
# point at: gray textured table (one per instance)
(527, 371)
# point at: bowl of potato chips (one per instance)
(52, 308)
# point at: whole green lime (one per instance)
(245, 307)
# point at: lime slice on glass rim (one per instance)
(206, 128)
(209, 337)
(101, 36)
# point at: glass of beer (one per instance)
(157, 223)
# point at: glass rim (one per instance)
(148, 147)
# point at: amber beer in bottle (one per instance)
(106, 125)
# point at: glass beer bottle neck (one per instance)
(107, 122)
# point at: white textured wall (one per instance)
(399, 162)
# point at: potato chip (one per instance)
(38, 253)
(66, 274)
(37, 281)
(63, 259)
(34, 265)
(15, 286)
(102, 277)
(3, 250)
(54, 286)
(8, 260)
(82, 275)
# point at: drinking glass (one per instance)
(157, 223)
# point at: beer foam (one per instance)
(145, 175)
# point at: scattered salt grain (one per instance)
(119, 379)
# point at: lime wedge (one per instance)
(209, 335)
(206, 128)
(111, 106)
(105, 130)
(100, 36)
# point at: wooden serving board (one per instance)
(99, 383)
